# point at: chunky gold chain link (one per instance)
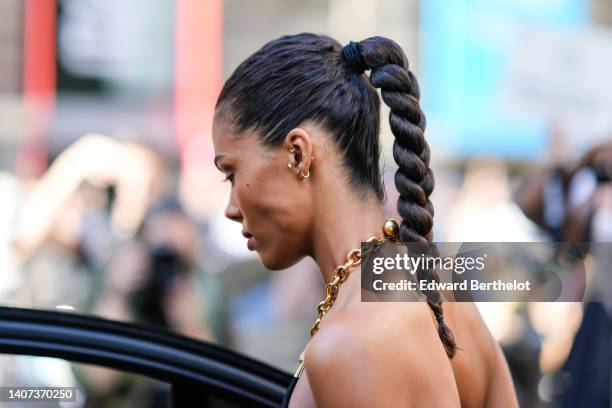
(353, 258)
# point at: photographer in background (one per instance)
(573, 203)
(565, 199)
(151, 280)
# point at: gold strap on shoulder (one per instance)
(300, 368)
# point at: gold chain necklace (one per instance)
(353, 258)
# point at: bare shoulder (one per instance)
(380, 355)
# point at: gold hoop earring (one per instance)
(305, 176)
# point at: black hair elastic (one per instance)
(353, 59)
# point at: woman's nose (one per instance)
(232, 211)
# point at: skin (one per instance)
(365, 354)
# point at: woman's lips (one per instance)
(249, 238)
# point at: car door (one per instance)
(198, 374)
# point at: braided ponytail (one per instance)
(413, 179)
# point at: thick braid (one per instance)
(413, 179)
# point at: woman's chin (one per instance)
(271, 263)
(275, 263)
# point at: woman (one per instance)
(296, 132)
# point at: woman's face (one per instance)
(268, 198)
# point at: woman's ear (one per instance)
(299, 145)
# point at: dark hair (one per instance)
(311, 78)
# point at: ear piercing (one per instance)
(289, 165)
(292, 150)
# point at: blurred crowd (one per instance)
(103, 232)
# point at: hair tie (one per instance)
(353, 58)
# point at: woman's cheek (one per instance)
(246, 199)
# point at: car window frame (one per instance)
(189, 365)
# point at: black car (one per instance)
(197, 374)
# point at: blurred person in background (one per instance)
(93, 235)
(171, 295)
(134, 172)
(151, 280)
(91, 198)
(296, 133)
(572, 202)
(565, 199)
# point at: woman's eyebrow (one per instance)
(217, 158)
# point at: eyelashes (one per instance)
(230, 178)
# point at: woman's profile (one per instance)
(296, 132)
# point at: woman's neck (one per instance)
(341, 228)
